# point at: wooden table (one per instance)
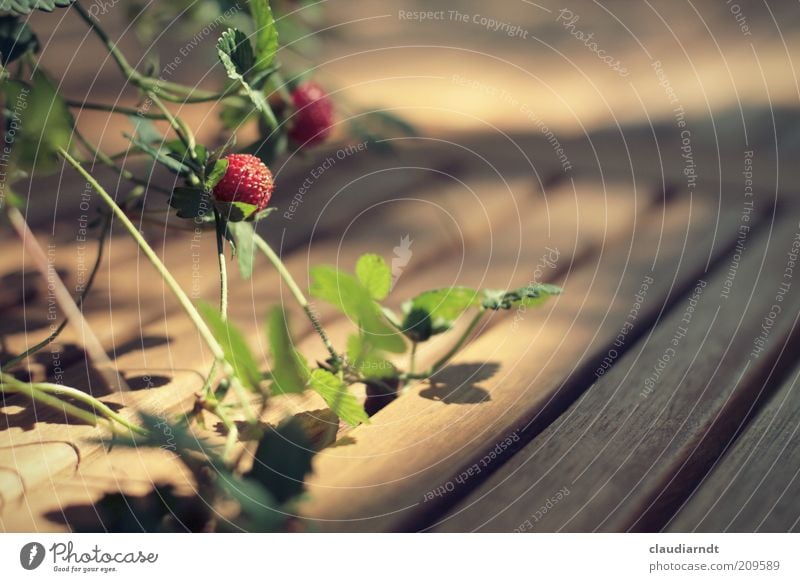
(657, 393)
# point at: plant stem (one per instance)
(121, 109)
(180, 128)
(64, 299)
(81, 298)
(276, 261)
(183, 299)
(59, 390)
(441, 362)
(223, 268)
(412, 358)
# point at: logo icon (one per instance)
(31, 555)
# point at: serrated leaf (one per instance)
(16, 38)
(346, 293)
(266, 34)
(289, 372)
(436, 311)
(282, 460)
(375, 275)
(190, 202)
(528, 296)
(23, 7)
(216, 173)
(368, 360)
(237, 352)
(235, 53)
(38, 125)
(335, 394)
(242, 233)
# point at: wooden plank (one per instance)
(625, 455)
(432, 433)
(755, 485)
(563, 225)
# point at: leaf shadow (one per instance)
(458, 384)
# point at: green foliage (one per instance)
(16, 38)
(290, 374)
(282, 460)
(349, 295)
(237, 352)
(236, 55)
(38, 123)
(434, 312)
(242, 234)
(367, 359)
(375, 275)
(215, 174)
(23, 7)
(528, 296)
(266, 34)
(335, 394)
(190, 202)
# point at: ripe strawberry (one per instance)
(313, 117)
(247, 180)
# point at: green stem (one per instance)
(59, 390)
(81, 298)
(441, 362)
(412, 358)
(121, 109)
(223, 269)
(179, 293)
(180, 128)
(106, 159)
(276, 261)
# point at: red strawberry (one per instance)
(247, 180)
(313, 117)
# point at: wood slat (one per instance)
(431, 434)
(625, 455)
(754, 487)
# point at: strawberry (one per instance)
(247, 180)
(313, 117)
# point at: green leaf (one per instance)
(16, 38)
(237, 352)
(334, 392)
(282, 460)
(528, 296)
(259, 510)
(235, 211)
(436, 311)
(236, 55)
(145, 130)
(216, 173)
(38, 123)
(368, 360)
(375, 275)
(190, 202)
(346, 293)
(160, 155)
(266, 34)
(23, 7)
(290, 372)
(242, 233)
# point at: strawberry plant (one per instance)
(229, 190)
